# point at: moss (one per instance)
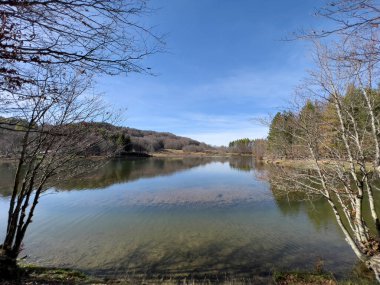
(41, 275)
(303, 278)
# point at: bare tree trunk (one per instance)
(374, 128)
(372, 206)
(347, 236)
(8, 266)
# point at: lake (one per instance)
(170, 216)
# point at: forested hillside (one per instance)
(110, 139)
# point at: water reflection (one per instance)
(168, 216)
(7, 170)
(246, 163)
(127, 170)
(115, 171)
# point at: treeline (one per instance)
(317, 125)
(256, 147)
(110, 139)
(139, 141)
(241, 145)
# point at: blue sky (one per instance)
(226, 64)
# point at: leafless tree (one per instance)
(345, 174)
(86, 36)
(350, 18)
(259, 148)
(105, 36)
(54, 111)
(343, 144)
(49, 53)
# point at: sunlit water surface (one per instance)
(168, 216)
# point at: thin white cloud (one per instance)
(262, 89)
(211, 129)
(224, 137)
(214, 112)
(250, 84)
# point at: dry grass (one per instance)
(307, 163)
(181, 153)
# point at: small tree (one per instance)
(259, 148)
(356, 22)
(54, 136)
(49, 52)
(280, 138)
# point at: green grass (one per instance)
(30, 274)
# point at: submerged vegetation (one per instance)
(39, 275)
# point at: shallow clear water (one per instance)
(166, 216)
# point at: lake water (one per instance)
(198, 216)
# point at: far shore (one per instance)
(174, 153)
(161, 153)
(181, 153)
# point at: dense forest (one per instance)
(255, 147)
(318, 122)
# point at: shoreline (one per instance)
(36, 275)
(308, 163)
(180, 153)
(165, 153)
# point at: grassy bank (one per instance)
(300, 164)
(208, 153)
(181, 153)
(308, 163)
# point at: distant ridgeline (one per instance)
(257, 147)
(121, 140)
